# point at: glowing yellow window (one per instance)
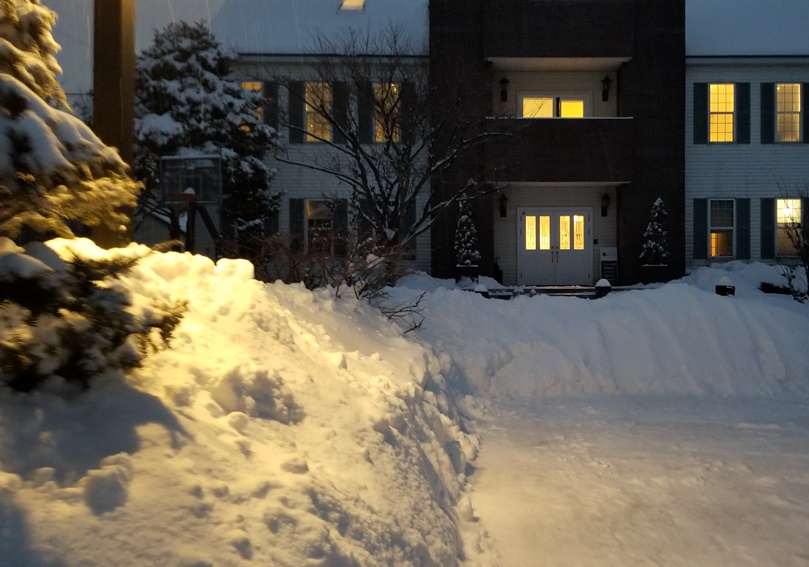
(386, 108)
(788, 111)
(537, 107)
(544, 232)
(788, 218)
(722, 108)
(721, 227)
(571, 108)
(578, 232)
(318, 103)
(564, 232)
(352, 5)
(530, 232)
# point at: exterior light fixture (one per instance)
(503, 90)
(503, 205)
(606, 83)
(605, 204)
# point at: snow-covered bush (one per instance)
(655, 248)
(53, 170)
(70, 318)
(466, 236)
(185, 105)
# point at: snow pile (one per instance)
(680, 339)
(284, 428)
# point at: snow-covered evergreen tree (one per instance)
(466, 236)
(54, 170)
(186, 105)
(656, 245)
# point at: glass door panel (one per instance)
(530, 232)
(578, 232)
(544, 232)
(564, 232)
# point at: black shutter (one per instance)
(767, 229)
(269, 107)
(408, 110)
(296, 112)
(743, 229)
(340, 94)
(743, 113)
(805, 113)
(365, 112)
(767, 113)
(296, 224)
(700, 229)
(700, 113)
(340, 227)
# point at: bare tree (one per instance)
(388, 133)
(795, 267)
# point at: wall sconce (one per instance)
(503, 205)
(503, 89)
(606, 83)
(605, 204)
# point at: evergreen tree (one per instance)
(185, 105)
(656, 245)
(54, 171)
(466, 236)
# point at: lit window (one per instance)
(721, 228)
(352, 5)
(564, 232)
(318, 106)
(386, 110)
(788, 112)
(578, 232)
(552, 107)
(544, 233)
(255, 87)
(319, 227)
(788, 217)
(722, 108)
(530, 232)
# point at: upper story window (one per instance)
(256, 87)
(352, 5)
(569, 106)
(317, 98)
(788, 218)
(386, 110)
(722, 110)
(788, 112)
(721, 226)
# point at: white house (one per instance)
(747, 133)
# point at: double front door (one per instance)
(554, 246)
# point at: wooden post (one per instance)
(114, 84)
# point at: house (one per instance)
(747, 131)
(591, 94)
(294, 52)
(588, 94)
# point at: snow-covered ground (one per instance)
(290, 428)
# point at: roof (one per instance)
(746, 27)
(292, 26)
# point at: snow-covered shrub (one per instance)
(466, 236)
(53, 169)
(655, 248)
(185, 105)
(70, 319)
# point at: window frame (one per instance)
(778, 113)
(394, 113)
(321, 131)
(734, 113)
(557, 97)
(310, 231)
(733, 228)
(781, 226)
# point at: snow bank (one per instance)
(680, 339)
(284, 428)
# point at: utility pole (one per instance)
(114, 84)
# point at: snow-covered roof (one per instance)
(746, 27)
(291, 26)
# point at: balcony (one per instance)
(581, 150)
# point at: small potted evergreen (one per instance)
(466, 242)
(654, 254)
